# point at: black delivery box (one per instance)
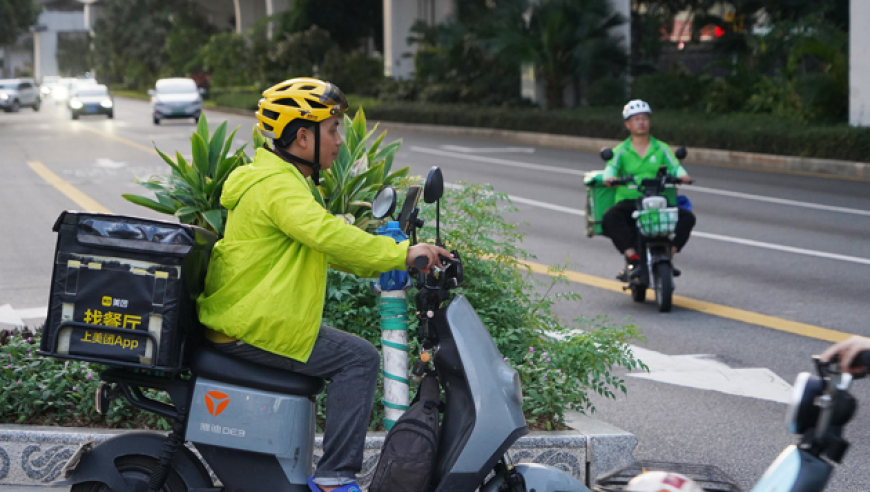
(124, 289)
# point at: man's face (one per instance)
(330, 141)
(638, 124)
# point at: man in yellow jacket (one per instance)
(266, 283)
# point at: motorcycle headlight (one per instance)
(76, 104)
(106, 103)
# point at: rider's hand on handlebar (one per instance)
(609, 182)
(685, 179)
(847, 350)
(428, 251)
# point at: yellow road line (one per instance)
(719, 310)
(82, 200)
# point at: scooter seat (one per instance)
(211, 364)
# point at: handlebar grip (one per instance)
(421, 262)
(862, 360)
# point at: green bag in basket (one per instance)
(657, 222)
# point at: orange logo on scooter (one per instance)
(216, 402)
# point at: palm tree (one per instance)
(562, 38)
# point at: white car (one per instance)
(15, 93)
(175, 98)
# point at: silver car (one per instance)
(91, 99)
(15, 93)
(175, 98)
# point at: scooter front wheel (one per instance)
(664, 277)
(136, 471)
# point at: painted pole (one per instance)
(394, 334)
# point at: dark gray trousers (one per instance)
(352, 365)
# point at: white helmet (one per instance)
(635, 107)
(661, 481)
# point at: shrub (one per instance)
(47, 391)
(607, 91)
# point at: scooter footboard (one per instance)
(544, 478)
(97, 464)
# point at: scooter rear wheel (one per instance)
(664, 286)
(136, 470)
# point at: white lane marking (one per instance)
(698, 189)
(9, 316)
(501, 162)
(779, 247)
(489, 150)
(110, 164)
(705, 235)
(781, 201)
(704, 373)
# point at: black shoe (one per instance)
(677, 271)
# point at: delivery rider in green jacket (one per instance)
(640, 155)
(266, 283)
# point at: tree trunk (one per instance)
(555, 90)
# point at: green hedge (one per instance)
(738, 132)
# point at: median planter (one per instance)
(34, 456)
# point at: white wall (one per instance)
(45, 42)
(399, 16)
(859, 63)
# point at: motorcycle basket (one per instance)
(709, 477)
(657, 222)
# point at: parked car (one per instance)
(175, 98)
(91, 99)
(15, 93)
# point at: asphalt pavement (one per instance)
(776, 266)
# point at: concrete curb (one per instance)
(34, 456)
(711, 157)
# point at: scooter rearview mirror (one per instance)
(606, 153)
(384, 203)
(681, 153)
(434, 187)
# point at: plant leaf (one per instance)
(149, 203)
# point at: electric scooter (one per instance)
(656, 222)
(254, 425)
(819, 410)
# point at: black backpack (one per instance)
(408, 457)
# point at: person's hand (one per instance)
(430, 252)
(685, 178)
(609, 182)
(847, 350)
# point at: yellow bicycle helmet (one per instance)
(294, 104)
(305, 99)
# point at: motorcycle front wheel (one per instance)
(664, 276)
(136, 471)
